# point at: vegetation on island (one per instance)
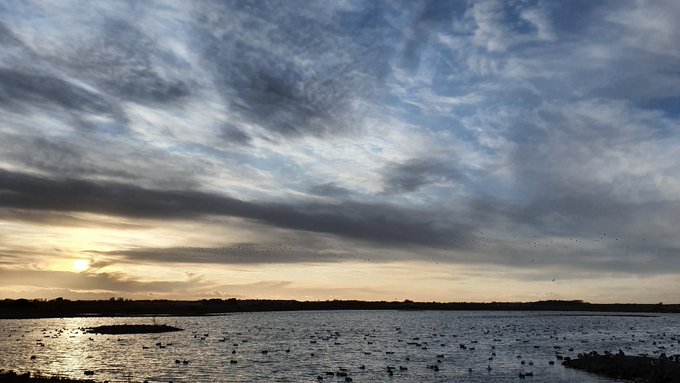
(132, 329)
(635, 368)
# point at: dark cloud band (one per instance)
(379, 223)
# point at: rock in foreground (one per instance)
(638, 368)
(132, 329)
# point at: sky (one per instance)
(376, 150)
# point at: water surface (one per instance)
(299, 346)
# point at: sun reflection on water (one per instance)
(341, 339)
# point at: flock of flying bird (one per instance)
(535, 250)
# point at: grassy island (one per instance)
(132, 329)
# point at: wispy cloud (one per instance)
(88, 282)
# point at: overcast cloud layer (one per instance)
(540, 135)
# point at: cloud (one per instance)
(433, 15)
(317, 83)
(380, 223)
(64, 219)
(234, 136)
(18, 88)
(500, 25)
(329, 189)
(89, 281)
(55, 156)
(413, 174)
(239, 253)
(7, 37)
(115, 158)
(123, 61)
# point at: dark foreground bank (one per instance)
(13, 377)
(635, 368)
(58, 308)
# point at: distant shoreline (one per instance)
(61, 308)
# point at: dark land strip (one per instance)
(60, 308)
(13, 377)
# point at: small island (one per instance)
(638, 368)
(132, 329)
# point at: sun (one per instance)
(81, 265)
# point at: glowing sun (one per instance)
(81, 265)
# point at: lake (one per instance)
(302, 346)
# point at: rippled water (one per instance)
(303, 345)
